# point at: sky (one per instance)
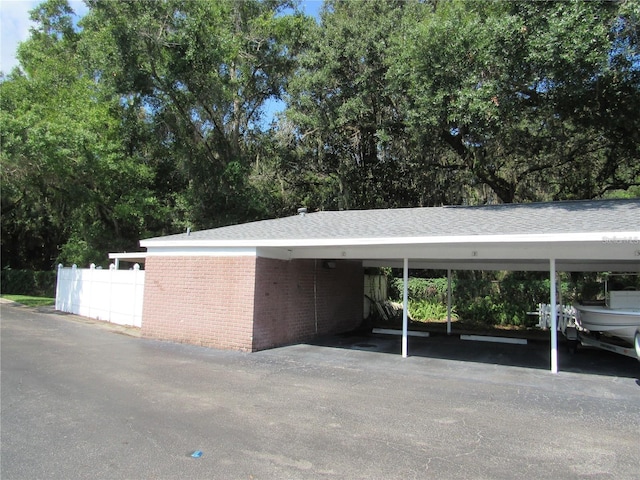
(15, 24)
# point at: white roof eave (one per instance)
(604, 237)
(128, 255)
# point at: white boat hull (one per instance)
(616, 322)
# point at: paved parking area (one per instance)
(80, 401)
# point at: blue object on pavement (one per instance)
(196, 454)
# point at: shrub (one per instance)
(427, 297)
(500, 298)
(29, 282)
(483, 298)
(432, 289)
(424, 311)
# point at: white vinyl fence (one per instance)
(111, 295)
(566, 316)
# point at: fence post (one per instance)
(75, 297)
(57, 305)
(110, 291)
(136, 269)
(92, 271)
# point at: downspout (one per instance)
(315, 292)
(449, 301)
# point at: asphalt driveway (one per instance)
(83, 401)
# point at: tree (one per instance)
(70, 193)
(535, 99)
(199, 74)
(347, 121)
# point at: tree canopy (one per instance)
(147, 117)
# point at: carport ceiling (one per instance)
(594, 235)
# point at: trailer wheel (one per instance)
(572, 346)
(636, 343)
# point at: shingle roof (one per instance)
(508, 219)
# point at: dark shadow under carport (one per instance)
(535, 354)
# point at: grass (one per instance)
(30, 301)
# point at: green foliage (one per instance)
(501, 298)
(31, 301)
(198, 75)
(68, 182)
(148, 117)
(517, 90)
(427, 297)
(490, 298)
(82, 252)
(141, 122)
(28, 282)
(426, 310)
(352, 148)
(432, 289)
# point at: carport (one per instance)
(576, 236)
(128, 258)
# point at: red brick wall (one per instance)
(289, 294)
(249, 303)
(200, 300)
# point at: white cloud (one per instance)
(14, 28)
(15, 24)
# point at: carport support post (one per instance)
(449, 301)
(405, 306)
(554, 316)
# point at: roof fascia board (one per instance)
(199, 251)
(605, 237)
(128, 255)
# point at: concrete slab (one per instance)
(491, 339)
(535, 354)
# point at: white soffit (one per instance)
(512, 265)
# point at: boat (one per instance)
(618, 317)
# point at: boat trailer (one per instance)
(576, 335)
